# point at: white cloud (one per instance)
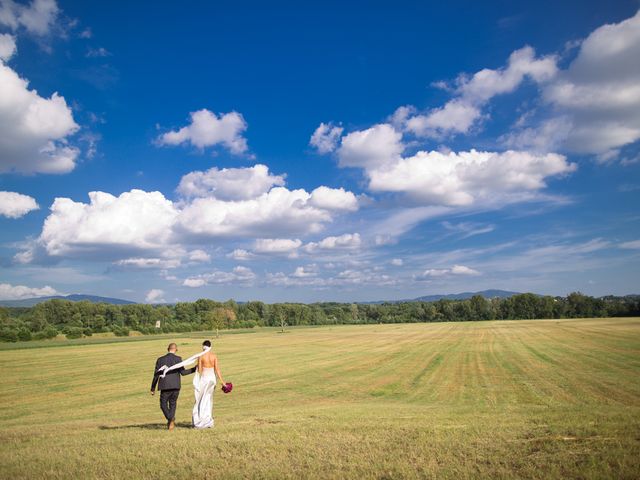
(400, 117)
(468, 178)
(155, 295)
(325, 138)
(455, 117)
(137, 226)
(194, 282)
(442, 272)
(348, 241)
(230, 183)
(148, 263)
(16, 205)
(208, 129)
(7, 46)
(278, 212)
(397, 262)
(239, 275)
(276, 245)
(97, 52)
(240, 254)
(134, 220)
(334, 199)
(34, 130)
(36, 18)
(549, 135)
(349, 277)
(463, 111)
(18, 292)
(373, 147)
(468, 229)
(487, 83)
(600, 91)
(300, 272)
(462, 270)
(632, 245)
(594, 103)
(199, 256)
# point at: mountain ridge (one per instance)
(75, 297)
(491, 293)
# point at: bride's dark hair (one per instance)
(206, 343)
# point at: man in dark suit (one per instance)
(169, 386)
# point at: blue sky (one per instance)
(348, 151)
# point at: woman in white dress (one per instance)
(204, 383)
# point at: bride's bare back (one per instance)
(210, 360)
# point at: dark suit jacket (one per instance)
(171, 381)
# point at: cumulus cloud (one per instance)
(240, 254)
(163, 263)
(16, 205)
(463, 111)
(34, 130)
(593, 106)
(208, 129)
(455, 116)
(36, 18)
(137, 227)
(279, 211)
(442, 272)
(468, 178)
(7, 46)
(18, 292)
(373, 147)
(334, 199)
(230, 183)
(276, 245)
(301, 272)
(348, 241)
(325, 138)
(549, 135)
(600, 91)
(155, 295)
(239, 275)
(199, 256)
(397, 262)
(136, 220)
(462, 270)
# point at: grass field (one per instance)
(509, 399)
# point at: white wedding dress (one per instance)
(203, 385)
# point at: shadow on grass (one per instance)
(144, 426)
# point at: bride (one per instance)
(204, 384)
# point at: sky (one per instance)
(342, 151)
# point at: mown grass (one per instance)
(521, 399)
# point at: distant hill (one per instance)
(453, 296)
(30, 302)
(465, 295)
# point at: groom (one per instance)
(169, 386)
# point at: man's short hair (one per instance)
(172, 346)
(206, 343)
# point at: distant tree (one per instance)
(73, 332)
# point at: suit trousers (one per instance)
(168, 403)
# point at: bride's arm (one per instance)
(217, 369)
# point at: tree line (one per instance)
(77, 319)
